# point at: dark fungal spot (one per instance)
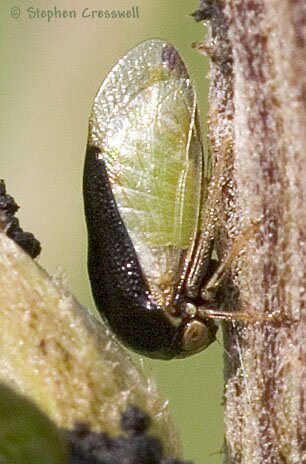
(136, 446)
(206, 11)
(10, 224)
(135, 420)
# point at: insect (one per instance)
(145, 193)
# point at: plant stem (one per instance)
(257, 129)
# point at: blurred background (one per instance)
(50, 73)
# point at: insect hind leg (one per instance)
(210, 290)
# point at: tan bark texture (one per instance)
(258, 137)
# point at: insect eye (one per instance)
(196, 336)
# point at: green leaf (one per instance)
(27, 436)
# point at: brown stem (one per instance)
(257, 123)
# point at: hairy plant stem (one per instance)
(63, 359)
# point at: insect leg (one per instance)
(240, 316)
(209, 291)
